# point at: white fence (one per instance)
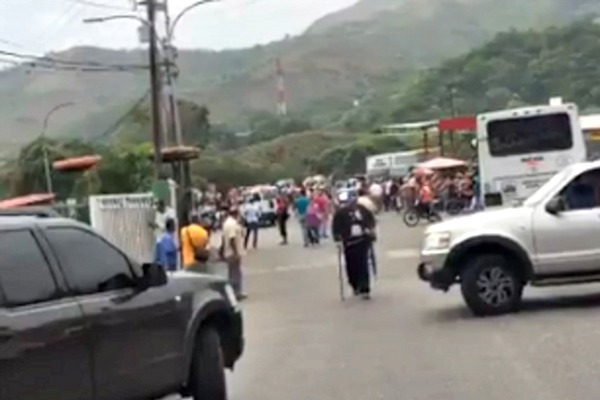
(126, 220)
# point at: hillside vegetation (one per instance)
(513, 69)
(349, 55)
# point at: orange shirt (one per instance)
(192, 237)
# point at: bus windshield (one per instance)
(531, 134)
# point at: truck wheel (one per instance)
(207, 380)
(490, 286)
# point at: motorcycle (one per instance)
(413, 216)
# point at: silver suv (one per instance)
(553, 238)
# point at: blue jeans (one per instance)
(303, 227)
(323, 228)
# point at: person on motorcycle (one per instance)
(425, 197)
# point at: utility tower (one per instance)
(281, 93)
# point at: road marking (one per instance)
(328, 262)
(404, 253)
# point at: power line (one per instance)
(41, 67)
(43, 33)
(32, 66)
(62, 62)
(100, 5)
(112, 129)
(8, 42)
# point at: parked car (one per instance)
(80, 320)
(551, 239)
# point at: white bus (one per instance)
(520, 149)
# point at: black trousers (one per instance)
(251, 228)
(282, 220)
(357, 265)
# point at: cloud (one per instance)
(57, 24)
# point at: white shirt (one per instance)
(232, 230)
(161, 219)
(388, 187)
(252, 212)
(376, 190)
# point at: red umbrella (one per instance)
(29, 200)
(77, 163)
(423, 172)
(442, 163)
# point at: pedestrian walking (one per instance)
(194, 240)
(323, 204)
(252, 214)
(231, 251)
(313, 223)
(165, 249)
(301, 207)
(162, 214)
(353, 230)
(282, 210)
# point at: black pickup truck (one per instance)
(80, 320)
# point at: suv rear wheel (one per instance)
(207, 380)
(490, 286)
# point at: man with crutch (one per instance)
(353, 231)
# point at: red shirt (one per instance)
(322, 203)
(425, 194)
(281, 205)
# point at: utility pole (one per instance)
(155, 84)
(451, 98)
(170, 75)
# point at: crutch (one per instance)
(373, 260)
(341, 274)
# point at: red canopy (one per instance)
(29, 200)
(442, 163)
(77, 163)
(423, 171)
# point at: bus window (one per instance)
(532, 134)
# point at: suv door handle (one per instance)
(6, 335)
(72, 330)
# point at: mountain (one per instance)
(345, 56)
(515, 68)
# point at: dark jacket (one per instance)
(349, 215)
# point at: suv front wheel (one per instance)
(207, 380)
(490, 286)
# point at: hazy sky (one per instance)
(37, 26)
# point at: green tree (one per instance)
(195, 123)
(512, 70)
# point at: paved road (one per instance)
(408, 342)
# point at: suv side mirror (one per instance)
(555, 206)
(154, 275)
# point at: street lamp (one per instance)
(182, 13)
(45, 144)
(168, 53)
(170, 29)
(97, 20)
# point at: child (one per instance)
(313, 223)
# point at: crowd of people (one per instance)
(320, 211)
(422, 189)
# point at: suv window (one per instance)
(583, 192)
(25, 275)
(90, 263)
